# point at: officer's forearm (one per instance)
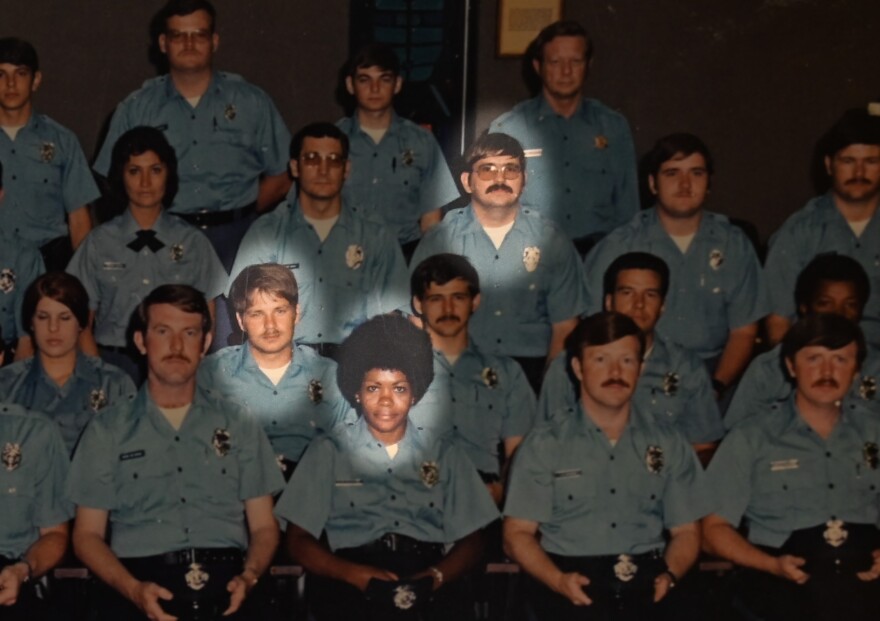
(79, 222)
(95, 554)
(48, 550)
(722, 539)
(776, 326)
(683, 548)
(316, 558)
(463, 556)
(523, 547)
(272, 191)
(261, 549)
(737, 353)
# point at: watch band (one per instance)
(438, 575)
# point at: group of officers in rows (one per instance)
(293, 344)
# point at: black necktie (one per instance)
(145, 238)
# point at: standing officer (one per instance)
(348, 266)
(604, 489)
(533, 289)
(805, 480)
(398, 171)
(485, 400)
(49, 184)
(580, 154)
(179, 480)
(289, 388)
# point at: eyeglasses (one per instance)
(489, 172)
(196, 36)
(314, 159)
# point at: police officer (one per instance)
(533, 288)
(483, 399)
(60, 381)
(124, 259)
(289, 388)
(49, 184)
(804, 479)
(347, 265)
(180, 479)
(673, 383)
(605, 490)
(580, 154)
(398, 171)
(387, 495)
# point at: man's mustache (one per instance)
(177, 357)
(454, 318)
(826, 381)
(857, 181)
(615, 382)
(499, 186)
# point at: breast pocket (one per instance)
(17, 497)
(786, 489)
(571, 490)
(222, 477)
(646, 489)
(142, 483)
(45, 171)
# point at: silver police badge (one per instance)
(670, 383)
(871, 455)
(354, 256)
(624, 569)
(716, 259)
(316, 391)
(230, 112)
(97, 399)
(430, 473)
(11, 455)
(47, 152)
(490, 377)
(408, 157)
(531, 258)
(196, 578)
(868, 387)
(654, 459)
(221, 442)
(835, 534)
(176, 252)
(7, 280)
(404, 597)
(600, 142)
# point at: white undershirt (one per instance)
(194, 101)
(175, 416)
(392, 449)
(275, 375)
(322, 226)
(12, 131)
(452, 358)
(375, 133)
(683, 241)
(858, 227)
(497, 233)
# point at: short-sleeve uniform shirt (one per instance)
(20, 265)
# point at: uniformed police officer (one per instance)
(348, 265)
(180, 479)
(804, 480)
(124, 259)
(387, 495)
(60, 381)
(398, 171)
(533, 288)
(604, 490)
(289, 388)
(49, 184)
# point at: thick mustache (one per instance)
(177, 357)
(828, 381)
(455, 318)
(612, 382)
(499, 186)
(857, 181)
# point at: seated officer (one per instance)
(830, 283)
(485, 400)
(33, 512)
(804, 480)
(673, 383)
(389, 497)
(180, 479)
(602, 507)
(289, 388)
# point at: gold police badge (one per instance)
(654, 459)
(11, 456)
(222, 442)
(97, 399)
(316, 391)
(430, 473)
(624, 569)
(196, 578)
(354, 256)
(7, 280)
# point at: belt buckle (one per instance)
(625, 569)
(835, 534)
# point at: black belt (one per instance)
(834, 547)
(205, 218)
(193, 555)
(612, 568)
(395, 542)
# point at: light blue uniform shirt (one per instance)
(400, 179)
(674, 386)
(34, 466)
(347, 485)
(765, 383)
(93, 386)
(714, 287)
(482, 399)
(533, 281)
(357, 272)
(778, 474)
(117, 278)
(20, 264)
(820, 228)
(45, 177)
(168, 489)
(591, 498)
(305, 402)
(581, 171)
(223, 145)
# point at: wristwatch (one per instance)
(673, 580)
(438, 575)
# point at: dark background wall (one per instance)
(759, 80)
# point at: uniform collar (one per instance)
(473, 225)
(171, 92)
(791, 420)
(247, 363)
(545, 111)
(392, 129)
(707, 228)
(83, 371)
(412, 437)
(130, 227)
(346, 214)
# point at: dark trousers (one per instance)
(533, 368)
(57, 253)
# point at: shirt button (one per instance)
(195, 142)
(179, 469)
(193, 117)
(498, 340)
(274, 392)
(396, 523)
(831, 486)
(183, 500)
(390, 470)
(274, 422)
(498, 313)
(146, 281)
(393, 497)
(134, 476)
(613, 524)
(611, 458)
(177, 438)
(613, 491)
(827, 453)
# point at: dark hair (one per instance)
(137, 141)
(667, 147)
(179, 8)
(379, 55)
(489, 145)
(823, 330)
(270, 278)
(856, 126)
(831, 267)
(441, 269)
(321, 129)
(183, 297)
(59, 286)
(636, 261)
(385, 342)
(601, 329)
(563, 28)
(15, 51)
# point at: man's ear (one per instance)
(398, 84)
(790, 366)
(828, 165)
(294, 169)
(240, 322)
(38, 79)
(163, 44)
(417, 305)
(652, 184)
(139, 342)
(475, 302)
(349, 85)
(536, 65)
(215, 42)
(298, 315)
(466, 182)
(576, 369)
(608, 299)
(209, 338)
